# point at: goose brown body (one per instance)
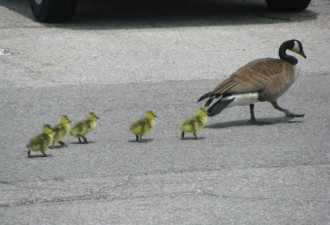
(269, 77)
(260, 80)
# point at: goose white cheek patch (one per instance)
(296, 47)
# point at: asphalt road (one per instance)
(120, 60)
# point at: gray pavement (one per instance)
(161, 58)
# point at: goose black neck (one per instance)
(282, 53)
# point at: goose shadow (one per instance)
(146, 140)
(261, 122)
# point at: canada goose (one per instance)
(261, 80)
(60, 130)
(192, 124)
(41, 141)
(142, 126)
(83, 127)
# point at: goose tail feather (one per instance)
(208, 94)
(218, 106)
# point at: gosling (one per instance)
(83, 127)
(60, 130)
(41, 141)
(192, 124)
(142, 126)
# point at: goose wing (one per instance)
(253, 77)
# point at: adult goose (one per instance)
(261, 80)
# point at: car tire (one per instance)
(288, 5)
(53, 10)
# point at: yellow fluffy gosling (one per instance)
(192, 124)
(60, 130)
(142, 126)
(83, 127)
(41, 141)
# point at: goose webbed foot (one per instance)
(287, 112)
(290, 114)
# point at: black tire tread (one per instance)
(54, 10)
(288, 5)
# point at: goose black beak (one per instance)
(303, 55)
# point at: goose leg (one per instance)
(253, 118)
(137, 137)
(53, 145)
(287, 112)
(140, 139)
(195, 136)
(61, 143)
(79, 140)
(29, 153)
(182, 135)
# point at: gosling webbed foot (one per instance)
(61, 143)
(85, 139)
(195, 136)
(140, 139)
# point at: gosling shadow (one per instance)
(60, 146)
(39, 156)
(192, 138)
(82, 143)
(144, 140)
(261, 122)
